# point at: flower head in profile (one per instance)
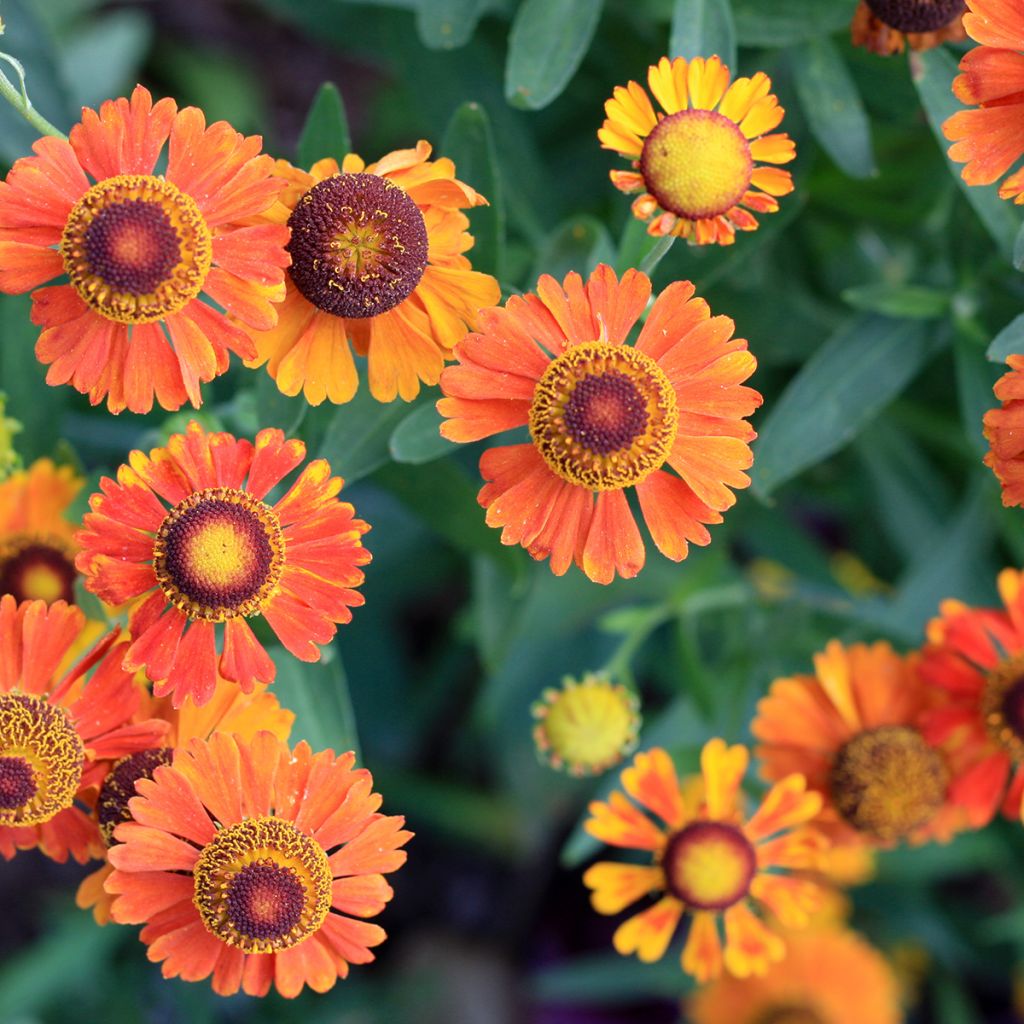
(1004, 431)
(58, 735)
(256, 864)
(886, 26)
(854, 729)
(143, 250)
(699, 166)
(604, 417)
(587, 725)
(989, 140)
(709, 860)
(378, 261)
(188, 535)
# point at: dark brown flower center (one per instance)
(265, 901)
(119, 787)
(17, 782)
(790, 1015)
(917, 15)
(37, 568)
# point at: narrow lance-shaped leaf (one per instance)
(785, 22)
(1008, 342)
(325, 132)
(702, 28)
(417, 439)
(447, 24)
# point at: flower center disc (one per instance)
(136, 248)
(604, 416)
(696, 163)
(1002, 706)
(37, 568)
(219, 554)
(41, 758)
(886, 782)
(119, 787)
(358, 246)
(709, 865)
(917, 15)
(262, 885)
(790, 1015)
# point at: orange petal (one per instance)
(616, 886)
(648, 934)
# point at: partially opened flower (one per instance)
(251, 862)
(140, 249)
(854, 729)
(604, 416)
(989, 140)
(1004, 430)
(377, 260)
(229, 711)
(187, 535)
(708, 860)
(887, 26)
(699, 166)
(37, 548)
(57, 734)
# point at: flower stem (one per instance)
(653, 258)
(20, 101)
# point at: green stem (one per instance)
(658, 250)
(20, 101)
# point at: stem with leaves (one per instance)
(18, 98)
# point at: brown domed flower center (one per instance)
(41, 758)
(358, 245)
(696, 163)
(262, 885)
(789, 1015)
(1002, 706)
(119, 787)
(604, 416)
(917, 15)
(136, 248)
(37, 568)
(219, 554)
(709, 865)
(888, 781)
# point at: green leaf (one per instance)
(275, 409)
(548, 40)
(1008, 342)
(1018, 249)
(469, 142)
(325, 132)
(579, 244)
(102, 57)
(953, 1004)
(701, 28)
(606, 979)
(417, 439)
(975, 377)
(447, 24)
(785, 22)
(833, 106)
(933, 72)
(859, 370)
(899, 300)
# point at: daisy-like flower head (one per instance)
(989, 140)
(830, 976)
(854, 730)
(887, 26)
(587, 725)
(37, 549)
(377, 260)
(140, 249)
(698, 165)
(186, 533)
(710, 860)
(229, 710)
(974, 657)
(250, 862)
(604, 416)
(1004, 430)
(57, 734)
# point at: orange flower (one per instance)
(1004, 429)
(37, 551)
(229, 710)
(991, 139)
(221, 554)
(604, 416)
(141, 248)
(886, 26)
(830, 976)
(57, 735)
(246, 859)
(377, 260)
(975, 657)
(853, 729)
(694, 164)
(708, 859)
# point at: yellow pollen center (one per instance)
(136, 248)
(262, 885)
(1002, 706)
(888, 781)
(709, 865)
(696, 163)
(604, 416)
(41, 757)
